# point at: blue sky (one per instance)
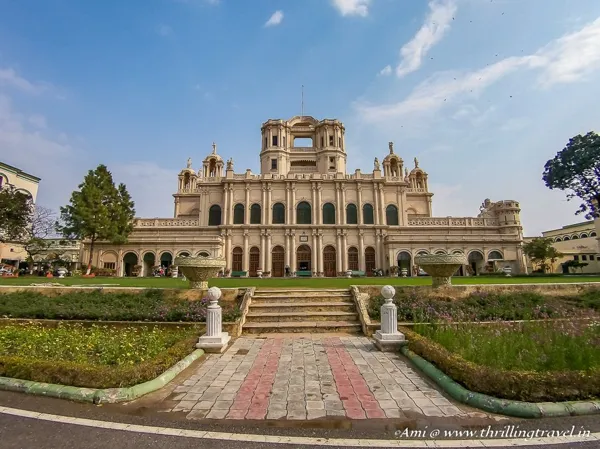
(482, 92)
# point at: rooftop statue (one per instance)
(189, 162)
(376, 164)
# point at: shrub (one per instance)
(150, 305)
(97, 357)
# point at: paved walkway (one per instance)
(307, 378)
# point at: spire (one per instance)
(214, 147)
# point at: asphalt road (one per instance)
(21, 432)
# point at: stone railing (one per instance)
(303, 149)
(415, 190)
(164, 222)
(303, 169)
(453, 221)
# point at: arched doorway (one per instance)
(254, 261)
(237, 261)
(303, 258)
(149, 262)
(404, 263)
(476, 262)
(277, 262)
(130, 260)
(352, 258)
(166, 259)
(329, 262)
(370, 260)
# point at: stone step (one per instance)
(295, 306)
(302, 327)
(296, 293)
(281, 317)
(291, 298)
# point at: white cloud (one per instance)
(567, 59)
(352, 7)
(9, 77)
(387, 70)
(164, 30)
(436, 24)
(38, 121)
(275, 19)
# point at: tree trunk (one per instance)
(89, 267)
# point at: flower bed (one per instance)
(152, 305)
(541, 361)
(96, 357)
(414, 306)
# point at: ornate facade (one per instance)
(304, 213)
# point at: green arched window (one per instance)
(303, 213)
(238, 214)
(214, 215)
(255, 214)
(328, 213)
(391, 215)
(351, 214)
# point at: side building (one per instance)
(305, 212)
(12, 253)
(578, 242)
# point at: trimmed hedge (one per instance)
(94, 376)
(151, 305)
(516, 385)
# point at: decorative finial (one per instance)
(416, 163)
(214, 146)
(189, 162)
(391, 146)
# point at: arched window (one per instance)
(583, 236)
(238, 214)
(214, 215)
(558, 239)
(303, 213)
(575, 237)
(495, 255)
(351, 214)
(391, 215)
(328, 213)
(592, 234)
(255, 214)
(368, 214)
(278, 213)
(566, 238)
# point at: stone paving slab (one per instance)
(312, 377)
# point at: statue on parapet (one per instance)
(230, 164)
(391, 147)
(189, 162)
(376, 164)
(416, 163)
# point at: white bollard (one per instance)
(214, 340)
(388, 338)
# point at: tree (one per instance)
(42, 225)
(575, 264)
(15, 211)
(98, 211)
(539, 250)
(577, 168)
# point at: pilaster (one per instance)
(246, 254)
(361, 250)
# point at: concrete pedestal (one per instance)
(214, 340)
(388, 338)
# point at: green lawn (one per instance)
(294, 282)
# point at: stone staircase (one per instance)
(302, 310)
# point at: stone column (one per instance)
(269, 207)
(287, 249)
(228, 255)
(288, 204)
(379, 251)
(388, 338)
(320, 250)
(268, 254)
(247, 206)
(246, 254)
(176, 212)
(359, 209)
(338, 204)
(226, 205)
(293, 265)
(345, 251)
(338, 252)
(314, 253)
(318, 206)
(361, 251)
(293, 220)
(263, 202)
(343, 206)
(376, 210)
(382, 204)
(214, 340)
(263, 251)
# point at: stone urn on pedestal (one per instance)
(199, 269)
(214, 340)
(441, 267)
(348, 274)
(388, 338)
(61, 272)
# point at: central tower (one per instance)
(283, 153)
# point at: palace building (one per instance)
(305, 214)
